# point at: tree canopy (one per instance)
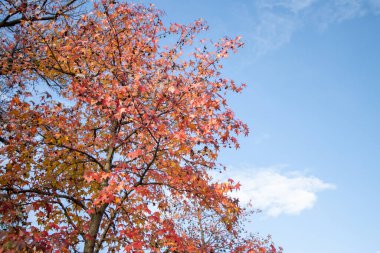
(106, 131)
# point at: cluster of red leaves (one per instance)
(133, 132)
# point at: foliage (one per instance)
(209, 233)
(131, 130)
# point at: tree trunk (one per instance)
(96, 219)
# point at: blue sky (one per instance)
(311, 162)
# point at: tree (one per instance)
(14, 12)
(18, 50)
(132, 131)
(14, 16)
(210, 233)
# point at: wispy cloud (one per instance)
(292, 5)
(376, 6)
(274, 22)
(338, 11)
(277, 192)
(271, 32)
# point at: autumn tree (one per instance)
(14, 17)
(14, 12)
(18, 50)
(210, 233)
(133, 130)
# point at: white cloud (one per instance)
(275, 21)
(375, 4)
(271, 32)
(276, 192)
(292, 5)
(338, 11)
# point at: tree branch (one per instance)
(64, 9)
(45, 193)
